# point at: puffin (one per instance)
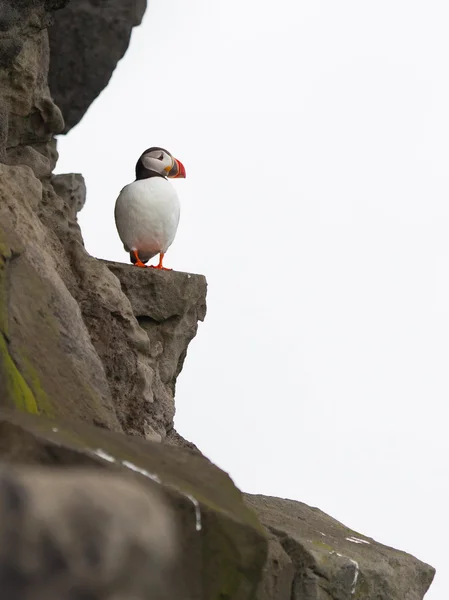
(147, 210)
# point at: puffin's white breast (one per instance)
(147, 215)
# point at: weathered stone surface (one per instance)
(279, 573)
(87, 40)
(223, 546)
(174, 438)
(48, 362)
(27, 155)
(83, 532)
(28, 114)
(72, 188)
(331, 561)
(168, 309)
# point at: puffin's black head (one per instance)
(157, 162)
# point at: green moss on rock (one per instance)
(31, 376)
(16, 390)
(21, 389)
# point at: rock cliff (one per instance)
(95, 481)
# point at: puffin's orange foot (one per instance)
(138, 262)
(160, 266)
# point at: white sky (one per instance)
(315, 139)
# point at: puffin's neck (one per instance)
(143, 173)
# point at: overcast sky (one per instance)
(315, 139)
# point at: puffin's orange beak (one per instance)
(177, 170)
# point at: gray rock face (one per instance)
(87, 40)
(221, 547)
(72, 188)
(45, 348)
(168, 310)
(28, 115)
(78, 531)
(314, 557)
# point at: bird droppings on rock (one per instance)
(355, 540)
(196, 504)
(129, 465)
(157, 479)
(102, 454)
(144, 472)
(356, 569)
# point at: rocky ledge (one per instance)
(94, 480)
(314, 557)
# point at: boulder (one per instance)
(314, 557)
(223, 547)
(84, 533)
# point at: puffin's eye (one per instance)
(161, 157)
